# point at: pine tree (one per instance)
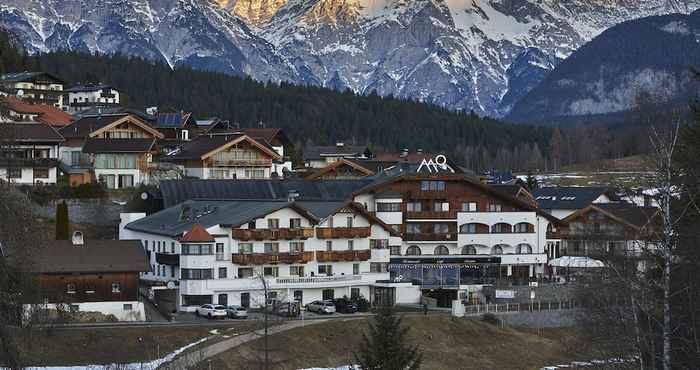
(62, 222)
(531, 181)
(384, 347)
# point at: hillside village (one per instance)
(407, 228)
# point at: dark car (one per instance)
(344, 305)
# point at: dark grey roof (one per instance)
(172, 119)
(568, 197)
(87, 124)
(118, 145)
(22, 132)
(201, 145)
(61, 256)
(632, 213)
(174, 221)
(111, 110)
(178, 191)
(318, 152)
(88, 88)
(26, 76)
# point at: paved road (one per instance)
(190, 359)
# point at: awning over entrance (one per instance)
(576, 262)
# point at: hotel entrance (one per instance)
(443, 297)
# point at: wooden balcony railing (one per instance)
(342, 232)
(267, 259)
(168, 259)
(432, 215)
(230, 162)
(342, 256)
(272, 234)
(431, 237)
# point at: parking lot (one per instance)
(258, 315)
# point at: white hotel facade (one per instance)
(396, 240)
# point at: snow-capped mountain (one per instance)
(464, 54)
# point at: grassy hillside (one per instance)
(447, 343)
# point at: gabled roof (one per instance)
(631, 215)
(94, 256)
(268, 134)
(205, 146)
(342, 162)
(118, 145)
(178, 191)
(571, 197)
(26, 76)
(318, 152)
(45, 113)
(198, 234)
(172, 119)
(29, 132)
(92, 126)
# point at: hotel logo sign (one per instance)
(434, 165)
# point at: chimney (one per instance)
(78, 238)
(292, 195)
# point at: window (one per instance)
(330, 221)
(522, 227)
(255, 173)
(272, 248)
(251, 225)
(378, 267)
(126, 181)
(116, 288)
(245, 272)
(325, 269)
(172, 271)
(470, 207)
(70, 288)
(439, 206)
(355, 268)
(159, 246)
(196, 274)
(468, 229)
(388, 207)
(469, 250)
(245, 248)
(216, 173)
(412, 228)
(351, 245)
(500, 228)
(273, 223)
(271, 271)
(185, 135)
(223, 272)
(14, 173)
(196, 300)
(296, 247)
(172, 247)
(497, 249)
(349, 221)
(523, 249)
(379, 243)
(354, 293)
(294, 223)
(115, 161)
(329, 245)
(128, 307)
(413, 250)
(414, 207)
(74, 308)
(495, 207)
(441, 250)
(109, 181)
(195, 249)
(441, 228)
(328, 294)
(432, 185)
(41, 173)
(296, 270)
(299, 296)
(395, 250)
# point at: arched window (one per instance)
(469, 249)
(524, 227)
(523, 249)
(474, 228)
(413, 251)
(497, 249)
(501, 228)
(441, 250)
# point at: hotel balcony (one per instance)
(232, 162)
(342, 256)
(168, 259)
(432, 215)
(271, 259)
(343, 232)
(272, 234)
(426, 194)
(317, 279)
(427, 237)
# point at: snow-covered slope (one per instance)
(464, 54)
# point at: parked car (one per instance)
(287, 309)
(344, 305)
(321, 307)
(211, 311)
(237, 312)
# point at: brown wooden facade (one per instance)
(83, 287)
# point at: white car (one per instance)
(321, 307)
(211, 311)
(237, 312)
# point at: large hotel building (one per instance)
(406, 234)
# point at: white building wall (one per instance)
(122, 310)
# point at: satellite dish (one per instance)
(20, 92)
(144, 195)
(170, 285)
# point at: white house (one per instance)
(29, 153)
(84, 97)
